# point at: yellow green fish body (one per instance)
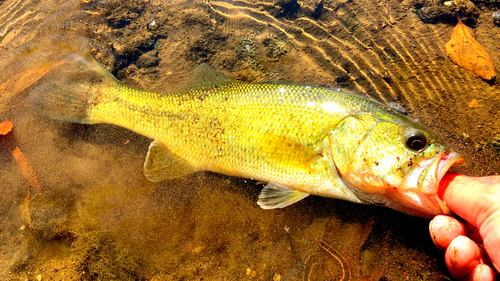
(301, 139)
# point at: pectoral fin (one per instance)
(274, 196)
(285, 152)
(162, 164)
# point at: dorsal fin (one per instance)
(205, 76)
(397, 107)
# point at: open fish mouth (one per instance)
(427, 175)
(428, 181)
(445, 163)
(420, 197)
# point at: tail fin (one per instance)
(70, 90)
(59, 75)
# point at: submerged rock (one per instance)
(430, 11)
(496, 17)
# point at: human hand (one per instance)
(473, 248)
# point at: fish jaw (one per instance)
(420, 196)
(428, 182)
(417, 204)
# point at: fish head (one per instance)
(392, 161)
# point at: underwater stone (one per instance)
(496, 17)
(431, 11)
(429, 14)
(496, 142)
(153, 25)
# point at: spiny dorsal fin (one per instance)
(397, 107)
(274, 196)
(205, 76)
(161, 164)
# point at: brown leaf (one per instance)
(21, 160)
(5, 127)
(466, 52)
(26, 169)
(20, 81)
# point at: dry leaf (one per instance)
(19, 82)
(466, 52)
(26, 169)
(21, 160)
(5, 127)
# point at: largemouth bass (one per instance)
(301, 139)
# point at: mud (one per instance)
(98, 218)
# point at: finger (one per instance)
(490, 231)
(462, 256)
(444, 229)
(482, 272)
(489, 179)
(478, 203)
(467, 197)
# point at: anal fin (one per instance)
(274, 196)
(161, 164)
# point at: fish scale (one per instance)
(229, 118)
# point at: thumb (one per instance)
(476, 200)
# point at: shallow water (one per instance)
(98, 218)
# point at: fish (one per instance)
(299, 139)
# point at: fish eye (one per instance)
(416, 140)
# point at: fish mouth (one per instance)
(428, 181)
(420, 197)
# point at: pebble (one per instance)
(153, 25)
(496, 142)
(496, 17)
(251, 273)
